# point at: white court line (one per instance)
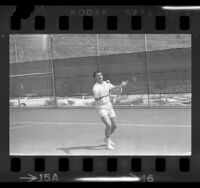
(22, 126)
(73, 123)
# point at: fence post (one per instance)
(147, 73)
(18, 92)
(53, 71)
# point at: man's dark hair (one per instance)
(94, 73)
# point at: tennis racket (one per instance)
(132, 80)
(115, 93)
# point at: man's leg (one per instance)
(112, 116)
(113, 124)
(107, 123)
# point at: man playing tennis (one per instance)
(101, 90)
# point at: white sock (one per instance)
(111, 142)
(109, 145)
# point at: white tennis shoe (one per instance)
(109, 144)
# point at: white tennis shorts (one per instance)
(106, 109)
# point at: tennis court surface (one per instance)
(141, 131)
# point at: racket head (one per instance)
(116, 91)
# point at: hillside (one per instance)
(38, 47)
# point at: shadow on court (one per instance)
(94, 147)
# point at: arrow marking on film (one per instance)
(29, 178)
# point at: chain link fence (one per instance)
(56, 70)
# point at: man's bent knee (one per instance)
(106, 121)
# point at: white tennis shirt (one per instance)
(100, 90)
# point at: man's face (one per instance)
(99, 77)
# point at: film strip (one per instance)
(122, 167)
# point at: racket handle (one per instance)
(102, 97)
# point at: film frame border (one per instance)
(185, 168)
